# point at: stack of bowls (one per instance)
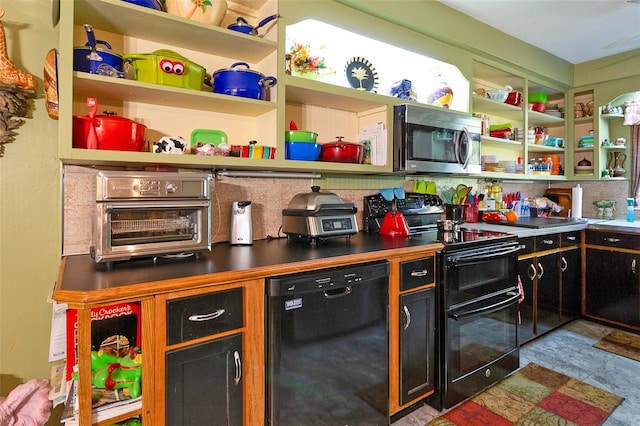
(538, 101)
(301, 145)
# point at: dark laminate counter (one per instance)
(617, 228)
(82, 281)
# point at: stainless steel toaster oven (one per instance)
(150, 214)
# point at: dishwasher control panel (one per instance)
(325, 279)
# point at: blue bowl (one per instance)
(306, 151)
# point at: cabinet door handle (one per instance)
(612, 240)
(531, 272)
(564, 264)
(238, 363)
(571, 237)
(408, 315)
(633, 266)
(547, 242)
(541, 273)
(422, 273)
(207, 317)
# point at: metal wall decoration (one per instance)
(361, 74)
(17, 87)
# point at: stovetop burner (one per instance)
(465, 238)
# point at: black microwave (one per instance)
(432, 140)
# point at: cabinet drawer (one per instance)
(613, 239)
(529, 245)
(192, 317)
(416, 273)
(547, 242)
(570, 238)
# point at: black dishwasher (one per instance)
(327, 346)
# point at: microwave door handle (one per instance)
(467, 138)
(458, 315)
(473, 259)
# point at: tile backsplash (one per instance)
(269, 196)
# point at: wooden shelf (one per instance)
(500, 109)
(501, 143)
(306, 91)
(126, 90)
(517, 176)
(587, 149)
(544, 148)
(541, 119)
(121, 17)
(611, 116)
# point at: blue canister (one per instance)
(630, 211)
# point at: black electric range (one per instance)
(467, 238)
(422, 212)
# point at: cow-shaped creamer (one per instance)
(170, 145)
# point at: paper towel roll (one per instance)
(576, 202)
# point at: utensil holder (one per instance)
(470, 214)
(454, 212)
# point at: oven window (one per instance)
(132, 226)
(469, 280)
(480, 339)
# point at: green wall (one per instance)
(30, 203)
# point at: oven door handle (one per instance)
(155, 204)
(473, 259)
(457, 315)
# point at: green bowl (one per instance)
(300, 136)
(538, 97)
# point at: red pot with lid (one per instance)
(111, 132)
(342, 152)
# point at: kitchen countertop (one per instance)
(617, 225)
(522, 231)
(82, 281)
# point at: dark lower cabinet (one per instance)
(571, 284)
(550, 272)
(417, 350)
(613, 286)
(204, 383)
(527, 272)
(548, 292)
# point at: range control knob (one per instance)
(171, 187)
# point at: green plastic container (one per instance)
(538, 97)
(166, 67)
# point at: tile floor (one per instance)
(569, 350)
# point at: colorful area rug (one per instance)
(534, 395)
(621, 343)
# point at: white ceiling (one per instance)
(574, 30)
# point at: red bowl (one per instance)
(538, 106)
(514, 98)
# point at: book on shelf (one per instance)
(106, 404)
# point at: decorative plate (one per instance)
(361, 74)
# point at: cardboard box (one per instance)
(114, 328)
